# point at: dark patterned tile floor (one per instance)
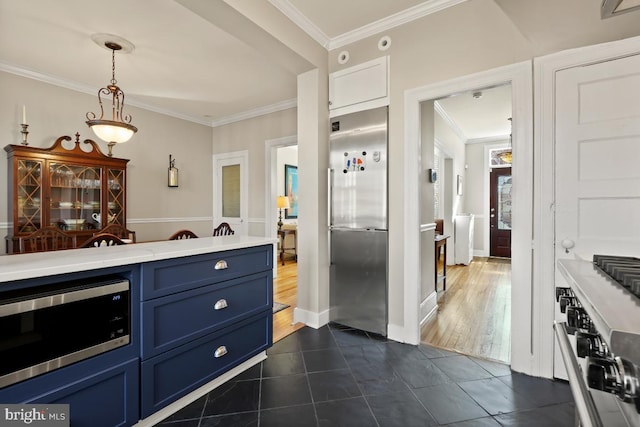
(336, 376)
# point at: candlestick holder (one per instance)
(24, 133)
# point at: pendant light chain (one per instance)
(113, 67)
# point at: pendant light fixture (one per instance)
(507, 156)
(118, 128)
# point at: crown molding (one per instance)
(298, 18)
(77, 87)
(256, 112)
(486, 139)
(391, 21)
(452, 124)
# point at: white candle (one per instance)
(24, 115)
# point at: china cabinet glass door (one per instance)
(75, 196)
(115, 197)
(29, 192)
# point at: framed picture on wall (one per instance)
(291, 190)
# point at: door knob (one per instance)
(567, 244)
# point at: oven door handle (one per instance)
(585, 407)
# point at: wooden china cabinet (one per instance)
(71, 185)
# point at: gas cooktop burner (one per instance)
(623, 270)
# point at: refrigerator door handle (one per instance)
(329, 194)
(329, 226)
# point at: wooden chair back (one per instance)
(102, 239)
(224, 229)
(46, 239)
(439, 226)
(183, 234)
(118, 230)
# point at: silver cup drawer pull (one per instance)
(221, 265)
(220, 351)
(220, 304)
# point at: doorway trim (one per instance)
(523, 350)
(271, 192)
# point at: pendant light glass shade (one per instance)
(111, 131)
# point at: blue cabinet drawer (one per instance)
(166, 277)
(176, 319)
(108, 398)
(173, 374)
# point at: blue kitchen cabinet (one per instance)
(202, 316)
(186, 273)
(202, 311)
(100, 391)
(174, 373)
(192, 319)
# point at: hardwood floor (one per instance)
(474, 313)
(285, 291)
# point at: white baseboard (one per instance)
(395, 332)
(428, 308)
(310, 318)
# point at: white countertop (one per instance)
(29, 266)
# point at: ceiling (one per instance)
(202, 67)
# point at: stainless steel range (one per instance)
(600, 340)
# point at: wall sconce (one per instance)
(173, 173)
(283, 203)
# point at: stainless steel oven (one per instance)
(45, 328)
(600, 340)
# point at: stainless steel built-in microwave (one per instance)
(46, 328)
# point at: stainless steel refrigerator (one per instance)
(358, 220)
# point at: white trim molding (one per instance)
(132, 101)
(449, 121)
(298, 18)
(256, 112)
(523, 350)
(310, 318)
(164, 220)
(270, 186)
(487, 139)
(428, 308)
(411, 14)
(71, 85)
(397, 19)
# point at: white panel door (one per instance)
(230, 198)
(597, 162)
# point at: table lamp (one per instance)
(283, 203)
